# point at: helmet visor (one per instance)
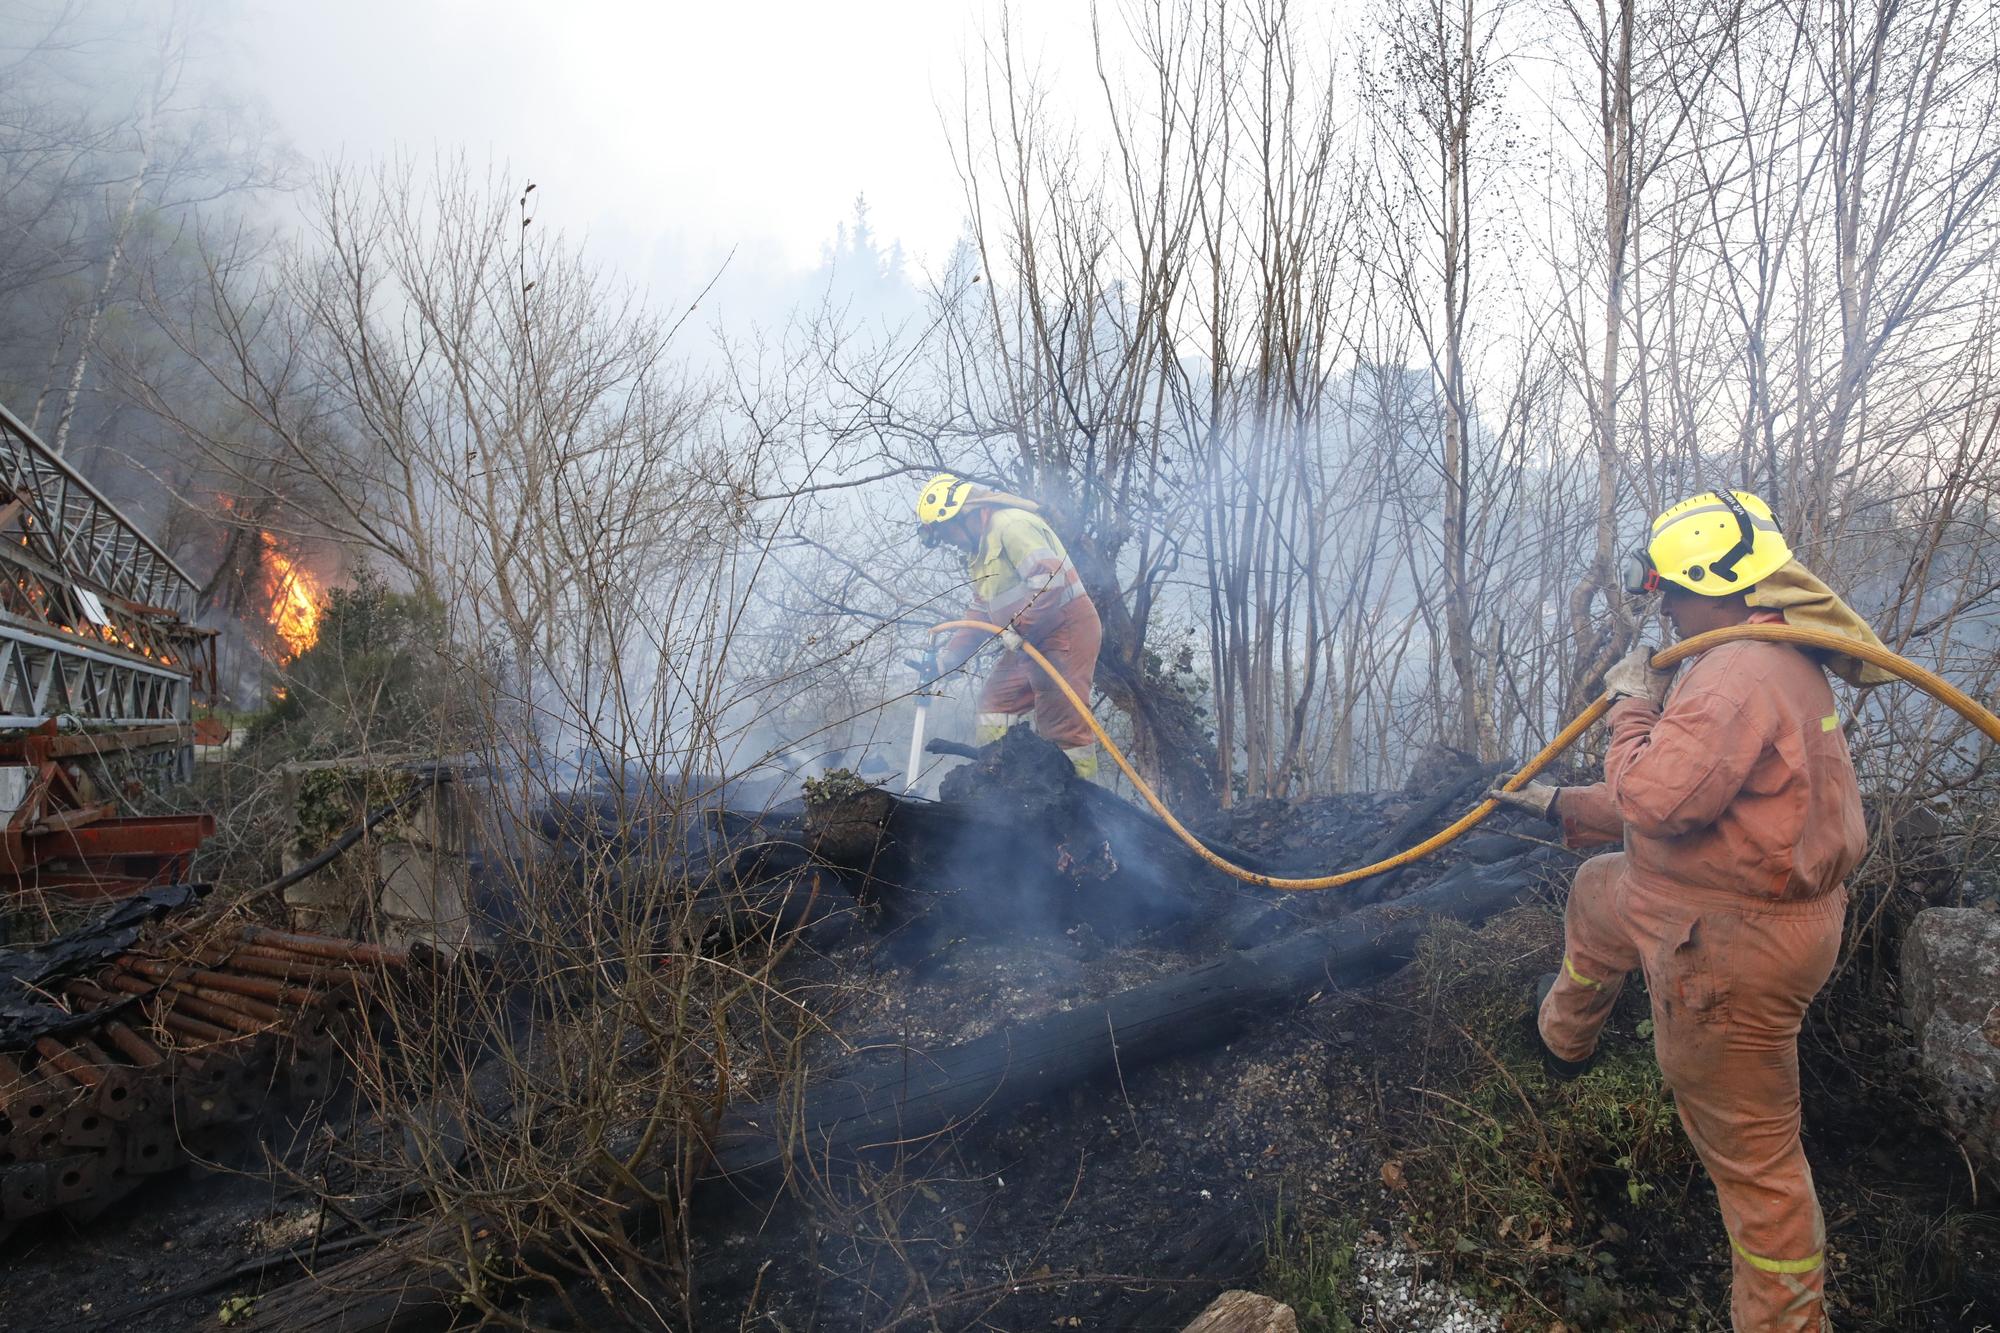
(1639, 576)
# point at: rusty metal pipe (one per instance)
(131, 985)
(326, 946)
(90, 992)
(268, 989)
(287, 988)
(118, 1088)
(191, 1028)
(278, 963)
(86, 1047)
(222, 999)
(180, 1002)
(231, 1011)
(135, 1047)
(59, 1087)
(113, 1086)
(56, 1055)
(195, 1029)
(93, 994)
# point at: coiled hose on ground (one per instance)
(1927, 681)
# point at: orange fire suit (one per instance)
(1741, 817)
(1022, 577)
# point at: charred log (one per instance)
(1261, 922)
(1015, 842)
(903, 1097)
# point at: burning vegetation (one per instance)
(295, 600)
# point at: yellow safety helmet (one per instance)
(941, 499)
(1715, 544)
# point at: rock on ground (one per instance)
(1951, 997)
(1244, 1312)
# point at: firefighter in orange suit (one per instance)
(1022, 578)
(1734, 794)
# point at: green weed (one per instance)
(1514, 1180)
(1312, 1270)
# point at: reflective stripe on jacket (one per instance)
(1742, 784)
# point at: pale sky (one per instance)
(667, 132)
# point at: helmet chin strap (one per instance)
(1746, 539)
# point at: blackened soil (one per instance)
(1129, 1203)
(171, 1235)
(1133, 1202)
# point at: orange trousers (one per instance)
(1729, 977)
(1017, 685)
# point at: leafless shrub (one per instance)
(457, 400)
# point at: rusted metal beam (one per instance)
(45, 742)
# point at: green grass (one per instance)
(1579, 1201)
(1501, 1156)
(1518, 1185)
(1313, 1272)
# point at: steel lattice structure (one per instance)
(95, 619)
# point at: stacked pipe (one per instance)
(175, 1038)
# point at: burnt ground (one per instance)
(1132, 1204)
(1123, 1205)
(176, 1230)
(1308, 1158)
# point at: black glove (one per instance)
(926, 668)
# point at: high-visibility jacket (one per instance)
(1021, 574)
(1022, 578)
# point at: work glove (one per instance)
(1633, 677)
(1537, 798)
(1010, 640)
(926, 668)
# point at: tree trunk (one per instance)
(1171, 740)
(1476, 732)
(88, 343)
(1598, 641)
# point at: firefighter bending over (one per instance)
(1735, 796)
(1023, 579)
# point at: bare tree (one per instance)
(436, 384)
(1435, 98)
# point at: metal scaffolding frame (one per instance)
(95, 619)
(99, 659)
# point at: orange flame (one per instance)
(296, 599)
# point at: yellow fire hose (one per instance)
(1927, 681)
